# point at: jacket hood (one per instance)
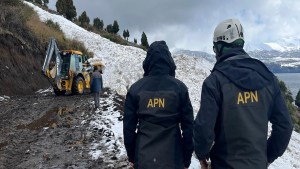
(159, 60)
(231, 52)
(243, 71)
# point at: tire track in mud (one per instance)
(45, 131)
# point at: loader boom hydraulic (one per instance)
(54, 73)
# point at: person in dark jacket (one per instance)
(158, 117)
(238, 100)
(96, 84)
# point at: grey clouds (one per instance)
(189, 24)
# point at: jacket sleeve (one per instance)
(129, 125)
(204, 123)
(101, 81)
(187, 119)
(281, 128)
(92, 78)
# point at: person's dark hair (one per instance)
(95, 68)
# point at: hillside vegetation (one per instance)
(110, 32)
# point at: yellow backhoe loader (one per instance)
(67, 70)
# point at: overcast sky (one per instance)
(189, 24)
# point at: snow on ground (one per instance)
(124, 67)
(108, 120)
(45, 91)
(4, 98)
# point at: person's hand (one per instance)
(203, 164)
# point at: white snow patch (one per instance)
(42, 91)
(108, 121)
(4, 98)
(276, 46)
(95, 153)
(294, 64)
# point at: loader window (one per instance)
(66, 63)
(77, 62)
(84, 58)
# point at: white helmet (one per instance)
(228, 31)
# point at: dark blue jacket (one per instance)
(238, 100)
(158, 106)
(96, 82)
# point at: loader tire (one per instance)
(78, 85)
(59, 92)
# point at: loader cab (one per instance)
(72, 62)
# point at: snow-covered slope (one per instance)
(207, 56)
(124, 67)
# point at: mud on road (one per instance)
(45, 131)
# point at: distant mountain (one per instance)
(281, 45)
(278, 61)
(281, 56)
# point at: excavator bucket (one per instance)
(52, 64)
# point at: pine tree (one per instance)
(66, 8)
(39, 2)
(135, 41)
(297, 100)
(60, 7)
(101, 24)
(46, 1)
(71, 10)
(124, 34)
(127, 34)
(109, 28)
(115, 27)
(84, 19)
(144, 41)
(98, 24)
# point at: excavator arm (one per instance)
(52, 64)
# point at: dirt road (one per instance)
(45, 131)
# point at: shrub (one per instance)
(289, 102)
(53, 25)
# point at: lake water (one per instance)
(291, 80)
